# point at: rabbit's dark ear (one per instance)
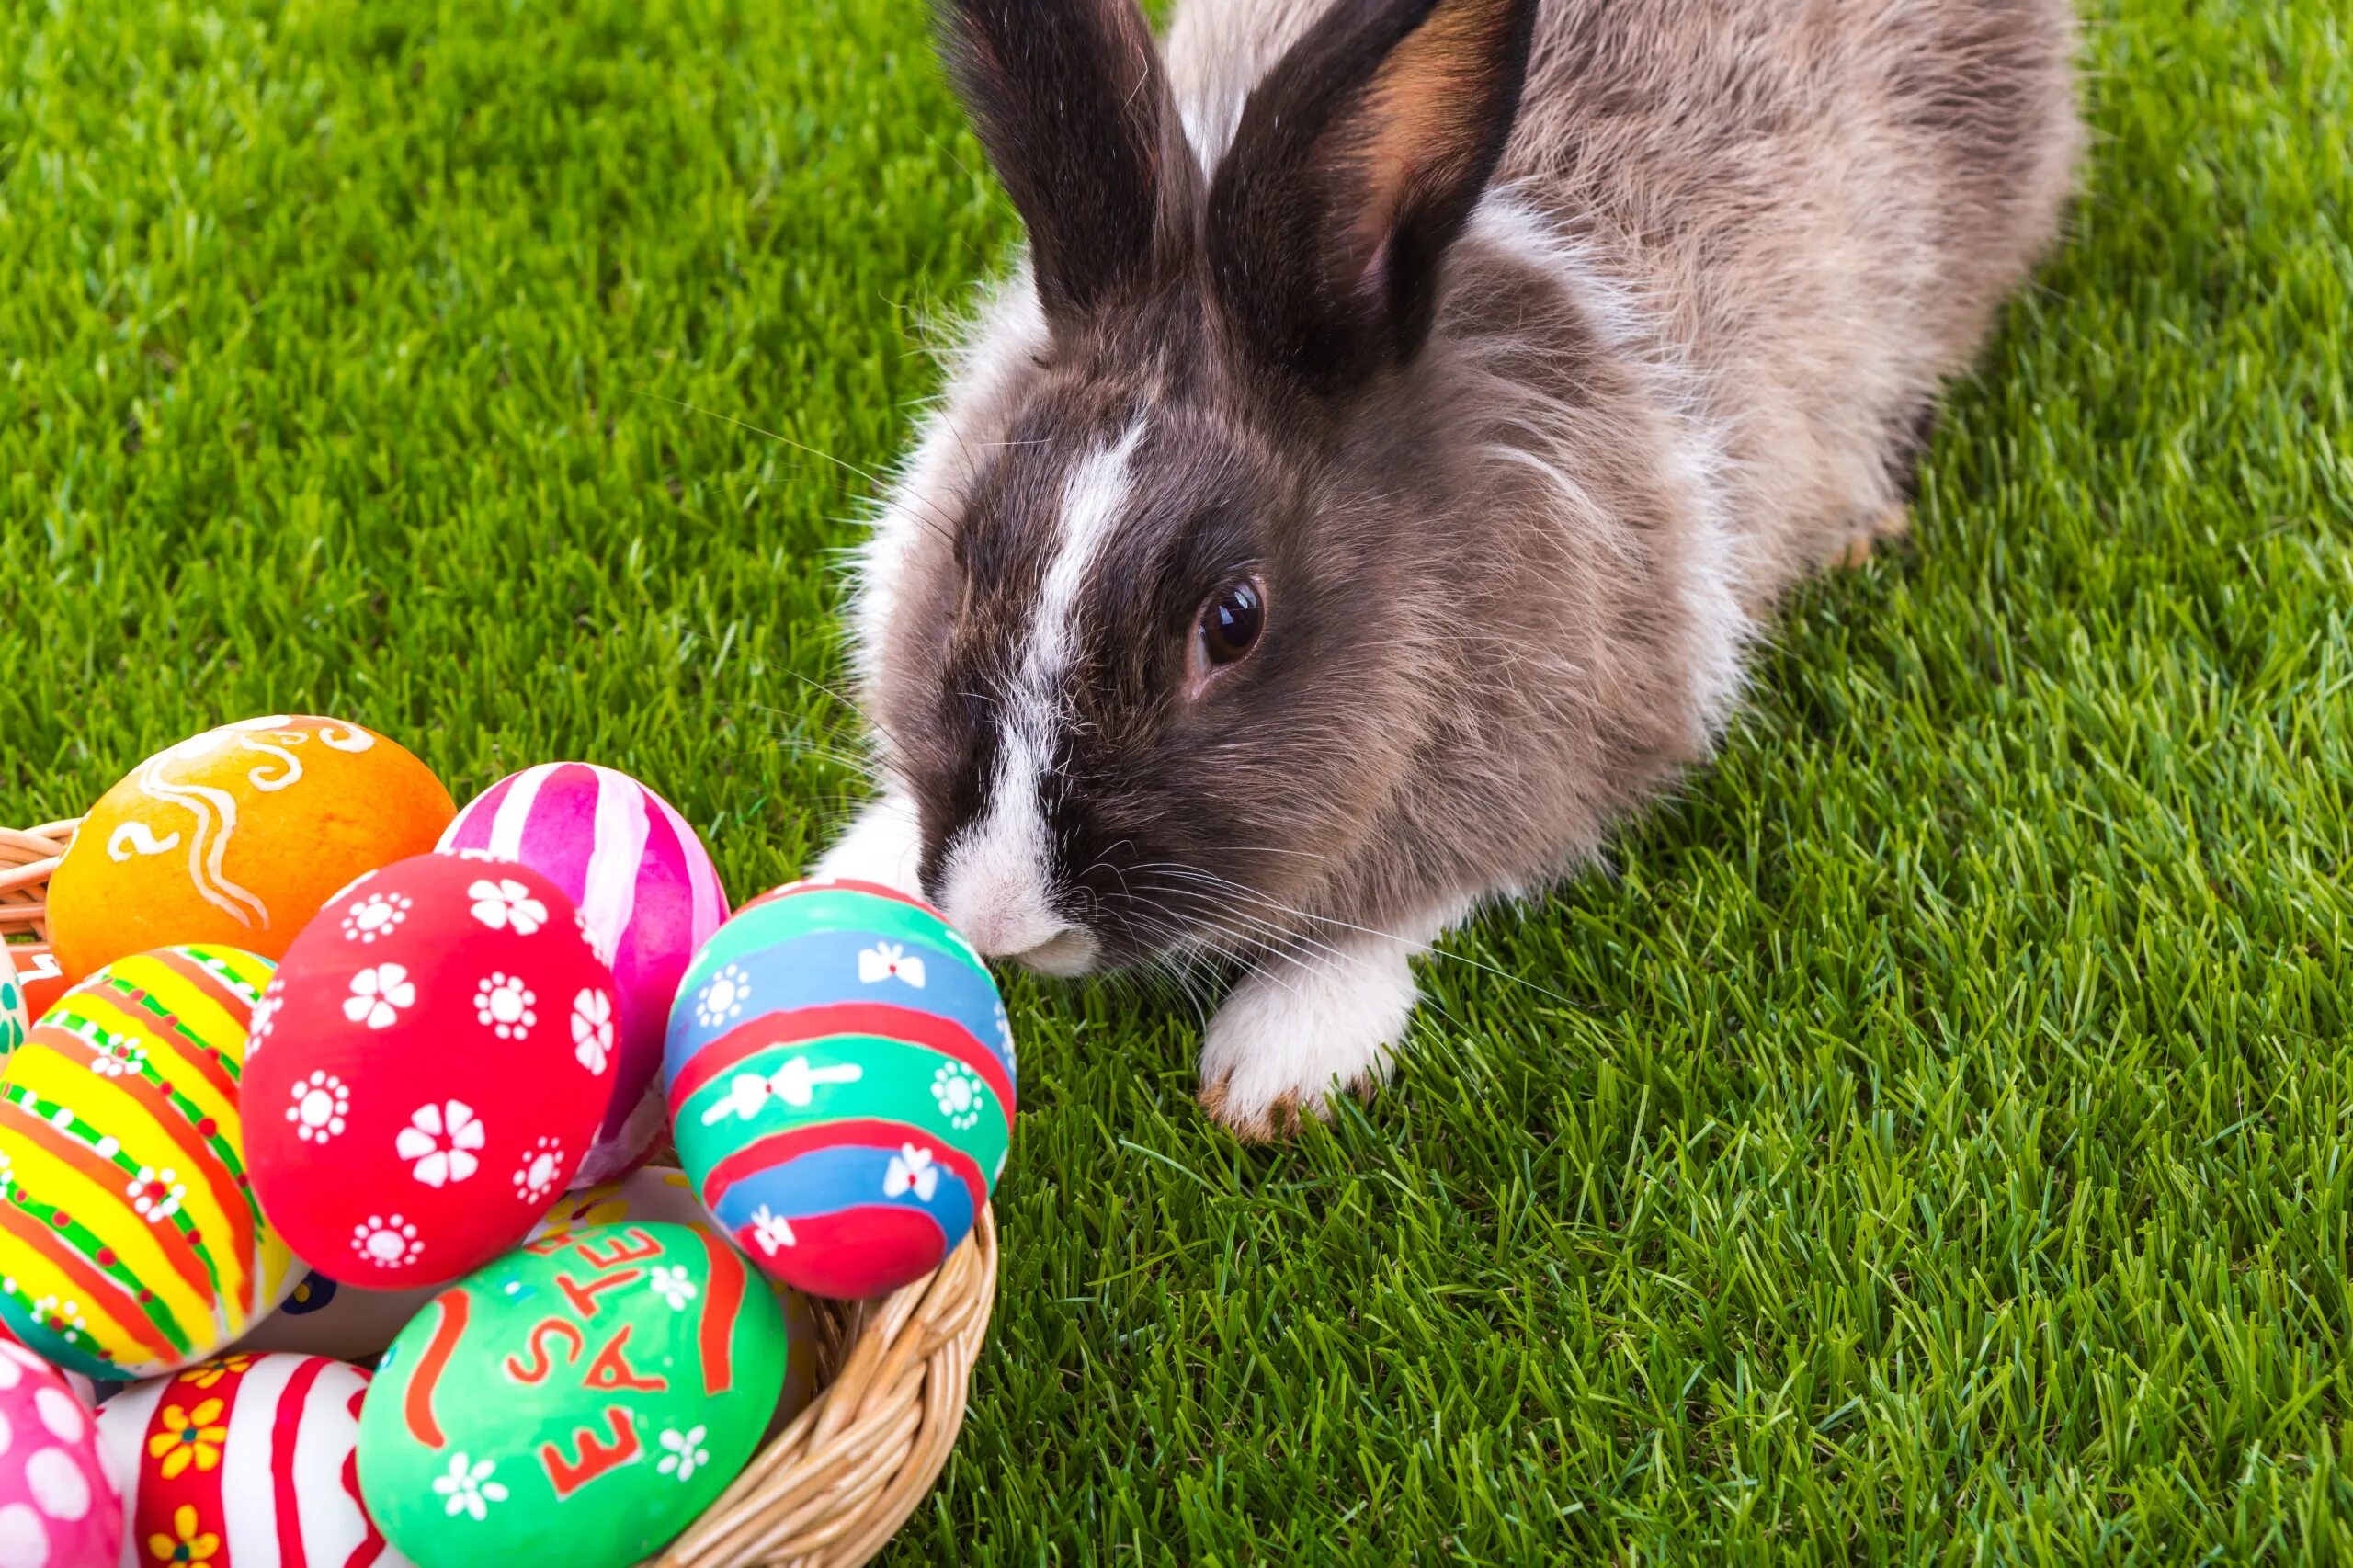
(1072, 101)
(1356, 162)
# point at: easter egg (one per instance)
(58, 1508)
(441, 1039)
(661, 1192)
(15, 1017)
(243, 1461)
(840, 1076)
(646, 890)
(326, 1317)
(130, 1243)
(599, 1388)
(237, 836)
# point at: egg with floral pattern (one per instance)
(236, 835)
(599, 1387)
(245, 1460)
(57, 1507)
(130, 1241)
(840, 1074)
(439, 1039)
(649, 894)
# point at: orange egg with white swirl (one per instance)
(238, 836)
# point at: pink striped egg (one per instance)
(58, 1509)
(646, 891)
(246, 1461)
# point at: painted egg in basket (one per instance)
(130, 1243)
(440, 1038)
(840, 1076)
(663, 1192)
(58, 1509)
(237, 836)
(599, 1388)
(245, 1459)
(647, 892)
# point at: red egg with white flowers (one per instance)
(426, 1069)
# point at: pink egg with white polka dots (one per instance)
(57, 1508)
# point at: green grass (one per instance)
(1946, 1147)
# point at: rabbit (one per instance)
(1365, 490)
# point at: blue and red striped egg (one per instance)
(840, 1075)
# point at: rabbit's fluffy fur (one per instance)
(1521, 353)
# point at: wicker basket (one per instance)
(838, 1483)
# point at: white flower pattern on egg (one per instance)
(592, 1029)
(387, 1241)
(379, 994)
(468, 1487)
(685, 1453)
(959, 1094)
(670, 1282)
(540, 1170)
(321, 1102)
(506, 904)
(723, 997)
(440, 1141)
(376, 916)
(504, 1004)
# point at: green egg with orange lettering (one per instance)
(589, 1394)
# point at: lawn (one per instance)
(1933, 1140)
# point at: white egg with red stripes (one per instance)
(247, 1461)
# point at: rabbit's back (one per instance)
(1815, 205)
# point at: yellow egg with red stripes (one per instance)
(130, 1244)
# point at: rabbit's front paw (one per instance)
(1292, 1034)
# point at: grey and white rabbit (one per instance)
(1404, 418)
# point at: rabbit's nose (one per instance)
(1023, 929)
(1066, 955)
(1000, 904)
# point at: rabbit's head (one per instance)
(1165, 620)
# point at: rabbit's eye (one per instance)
(1231, 624)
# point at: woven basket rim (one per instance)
(893, 1373)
